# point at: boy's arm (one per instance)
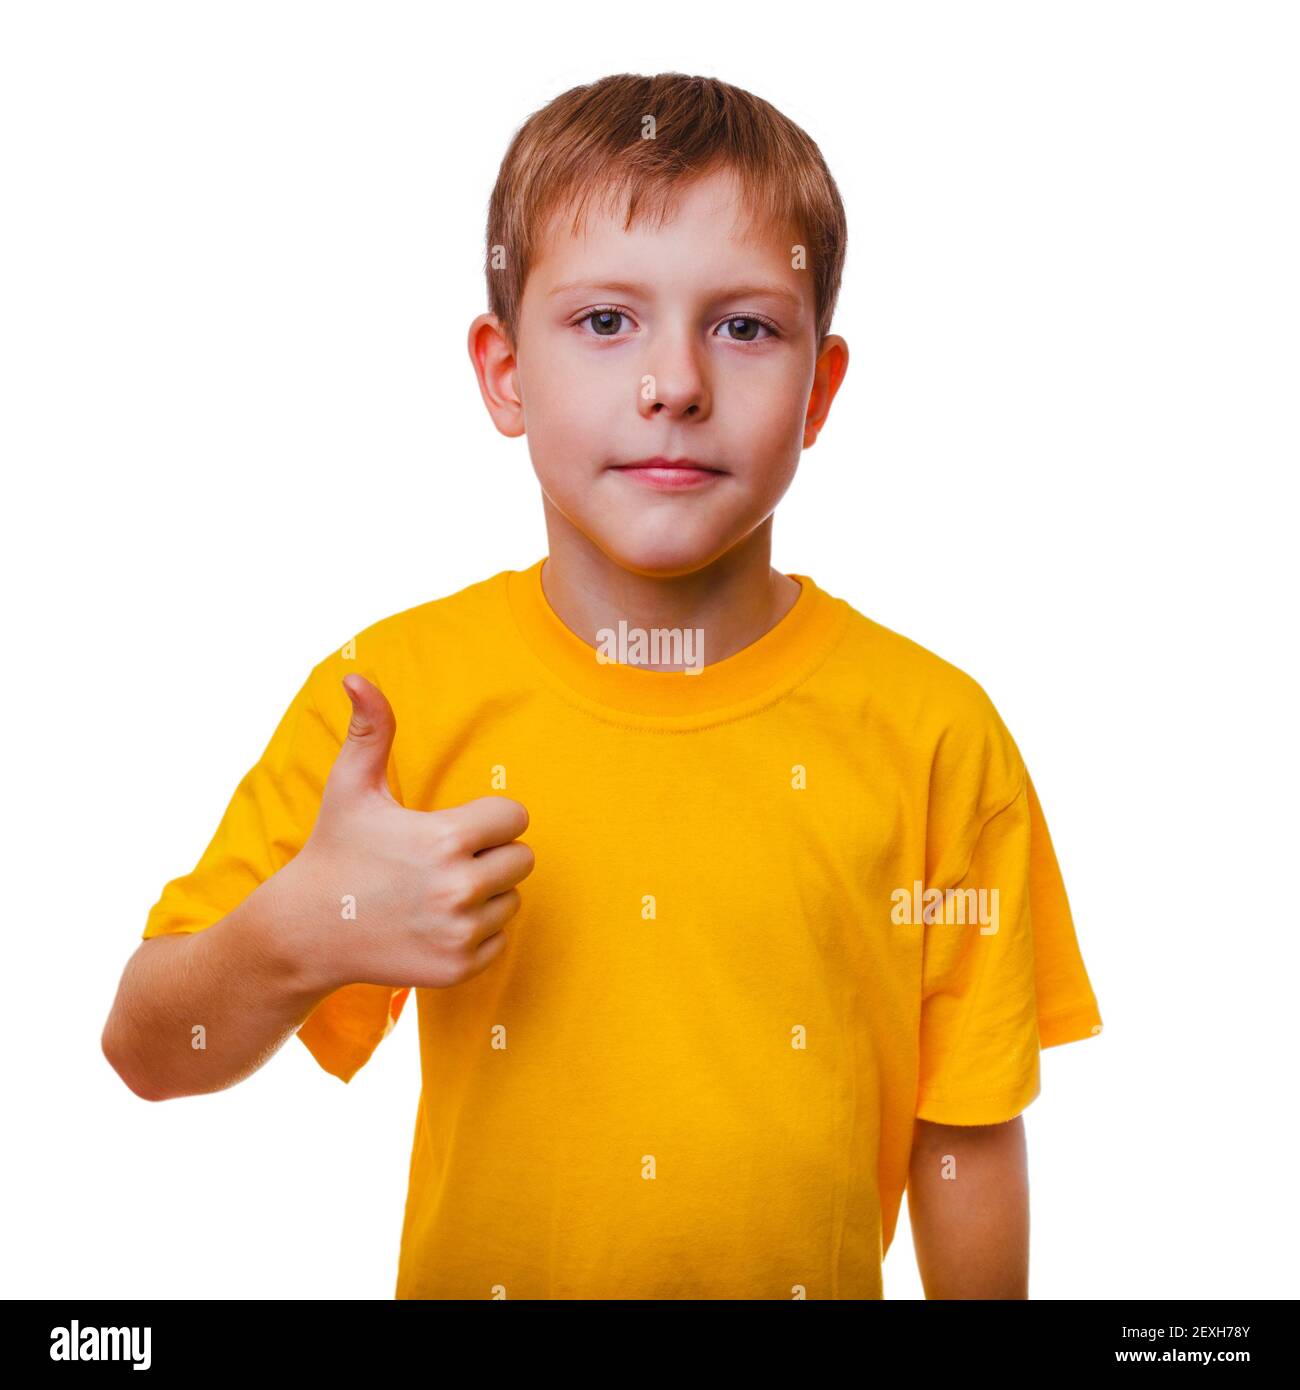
(199, 1011)
(429, 893)
(968, 1202)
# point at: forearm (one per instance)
(198, 1012)
(968, 1201)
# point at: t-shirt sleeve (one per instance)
(1003, 976)
(267, 822)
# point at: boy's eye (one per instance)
(750, 329)
(604, 322)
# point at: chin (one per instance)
(661, 558)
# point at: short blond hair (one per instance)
(590, 141)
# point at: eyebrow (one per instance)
(635, 288)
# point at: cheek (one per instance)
(765, 392)
(567, 422)
(576, 417)
(568, 396)
(770, 421)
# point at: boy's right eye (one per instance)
(605, 321)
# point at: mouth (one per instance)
(670, 475)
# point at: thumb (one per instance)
(362, 761)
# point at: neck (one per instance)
(733, 600)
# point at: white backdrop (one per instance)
(241, 247)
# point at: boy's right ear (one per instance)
(493, 356)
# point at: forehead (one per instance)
(705, 229)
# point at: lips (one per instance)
(688, 465)
(669, 474)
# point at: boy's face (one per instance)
(687, 342)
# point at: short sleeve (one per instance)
(1003, 976)
(268, 820)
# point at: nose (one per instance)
(674, 382)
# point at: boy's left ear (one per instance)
(832, 363)
(498, 381)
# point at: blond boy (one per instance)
(787, 933)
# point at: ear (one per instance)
(832, 363)
(493, 356)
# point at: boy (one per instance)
(792, 931)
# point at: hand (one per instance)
(385, 895)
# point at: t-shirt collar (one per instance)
(756, 675)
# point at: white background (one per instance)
(240, 249)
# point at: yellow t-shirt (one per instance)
(694, 1070)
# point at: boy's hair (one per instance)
(591, 141)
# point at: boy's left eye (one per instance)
(751, 329)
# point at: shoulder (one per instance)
(916, 674)
(471, 612)
(910, 679)
(935, 712)
(437, 653)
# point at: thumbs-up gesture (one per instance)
(391, 896)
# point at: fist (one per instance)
(396, 897)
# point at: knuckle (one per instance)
(452, 840)
(459, 933)
(462, 889)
